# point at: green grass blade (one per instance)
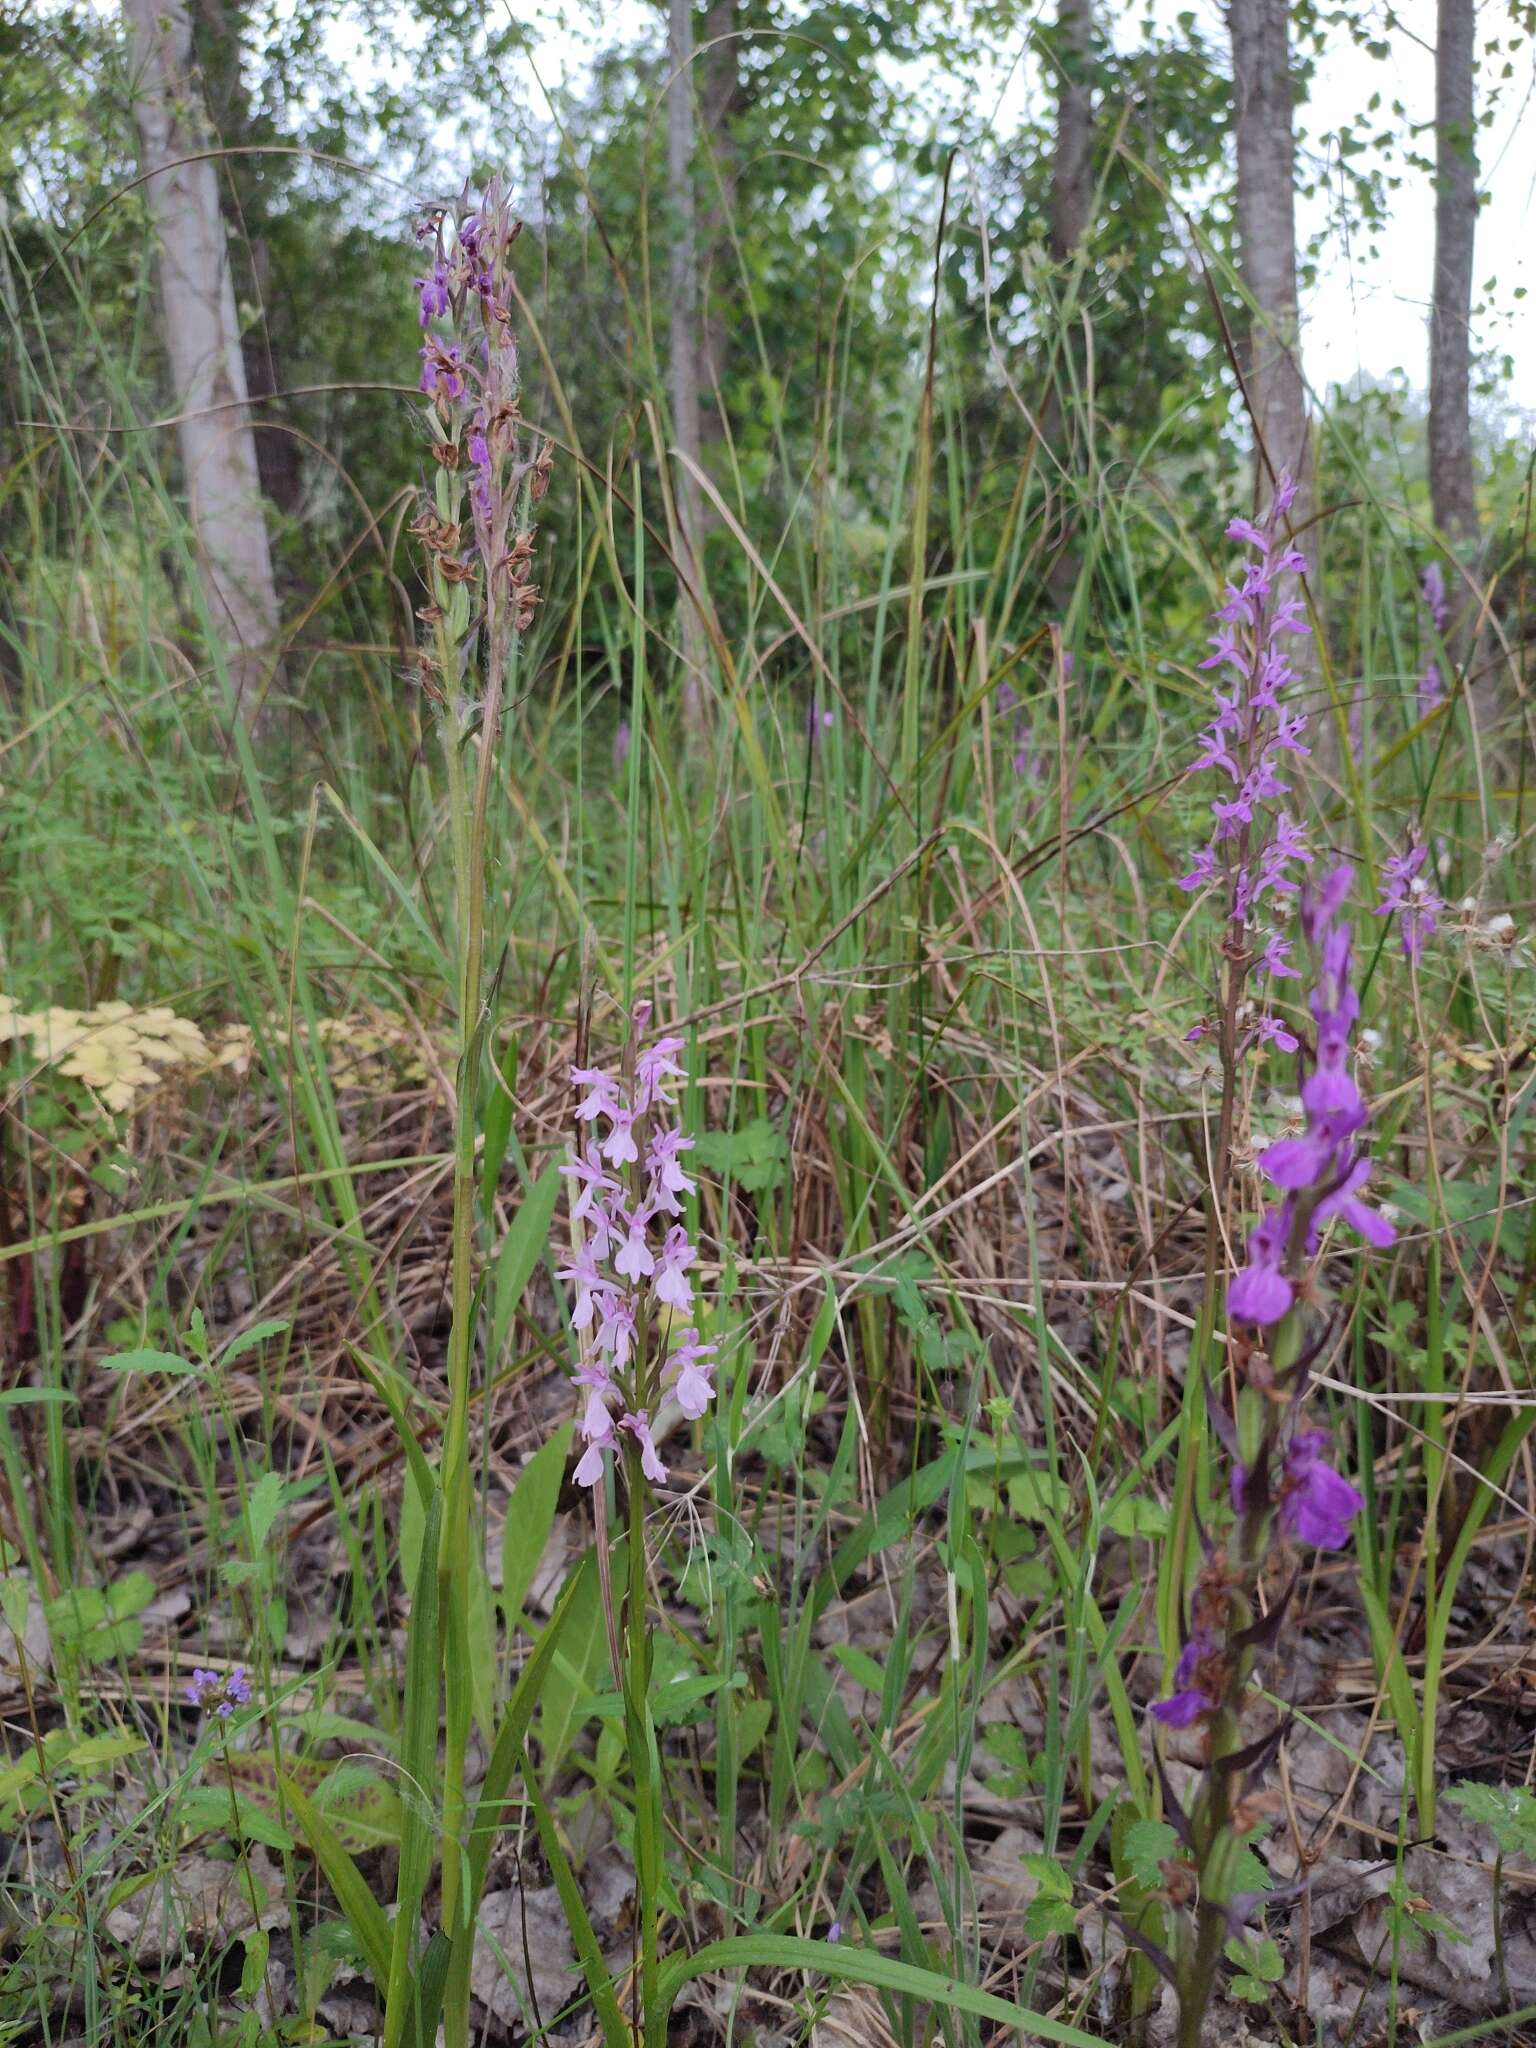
(853, 1966)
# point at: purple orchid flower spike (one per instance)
(632, 1268)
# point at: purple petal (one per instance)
(1258, 1294)
(1183, 1708)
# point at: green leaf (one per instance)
(97, 1750)
(1259, 1955)
(1148, 1844)
(756, 1156)
(359, 1905)
(588, 1949)
(320, 1724)
(498, 1127)
(530, 1518)
(209, 1809)
(248, 1340)
(253, 1967)
(98, 1624)
(263, 1505)
(418, 1762)
(1507, 1811)
(150, 1361)
(582, 1655)
(521, 1249)
(1038, 1496)
(35, 1397)
(1045, 1917)
(506, 1754)
(1053, 1881)
(365, 1809)
(19, 1775)
(1137, 1516)
(847, 1965)
(860, 1666)
(752, 1719)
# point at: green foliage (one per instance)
(1259, 1966)
(99, 1624)
(755, 1157)
(1507, 1811)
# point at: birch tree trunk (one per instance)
(686, 339)
(202, 338)
(719, 101)
(1266, 226)
(1071, 201)
(1452, 481)
(1072, 173)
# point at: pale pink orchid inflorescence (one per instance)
(629, 1265)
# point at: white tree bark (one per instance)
(1072, 172)
(686, 336)
(202, 338)
(1452, 479)
(719, 101)
(1266, 226)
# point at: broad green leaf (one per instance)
(521, 1249)
(351, 1893)
(36, 1397)
(498, 1126)
(98, 1624)
(19, 1775)
(253, 1967)
(248, 1340)
(575, 1665)
(860, 1666)
(844, 1964)
(588, 1949)
(1053, 1881)
(1507, 1811)
(1147, 1844)
(364, 1808)
(263, 1506)
(322, 1725)
(211, 1809)
(150, 1361)
(530, 1518)
(97, 1750)
(418, 1759)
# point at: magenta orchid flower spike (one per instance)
(1254, 742)
(1285, 1490)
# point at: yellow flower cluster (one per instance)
(116, 1049)
(119, 1052)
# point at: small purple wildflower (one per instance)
(1317, 1504)
(835, 1932)
(217, 1692)
(434, 293)
(1416, 903)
